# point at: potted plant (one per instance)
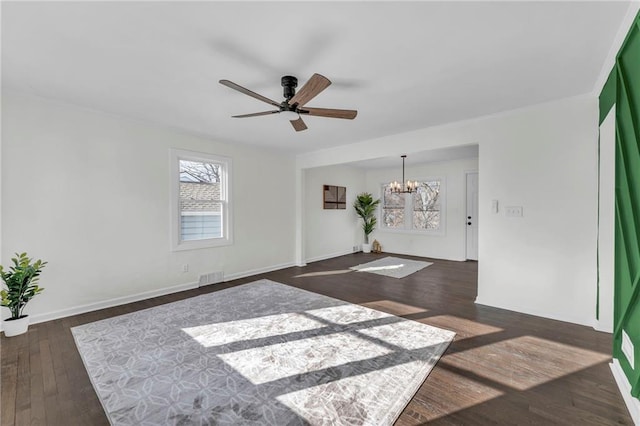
(365, 207)
(22, 285)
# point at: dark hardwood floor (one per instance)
(503, 367)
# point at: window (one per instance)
(200, 202)
(420, 211)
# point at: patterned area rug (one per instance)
(261, 353)
(394, 267)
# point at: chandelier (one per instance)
(400, 188)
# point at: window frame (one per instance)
(177, 244)
(408, 211)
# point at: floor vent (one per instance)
(211, 278)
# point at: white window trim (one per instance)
(225, 191)
(407, 229)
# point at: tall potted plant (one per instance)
(365, 207)
(21, 281)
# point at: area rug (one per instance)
(262, 353)
(394, 267)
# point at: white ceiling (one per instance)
(430, 156)
(402, 65)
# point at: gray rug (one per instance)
(262, 354)
(394, 267)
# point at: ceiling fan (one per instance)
(293, 107)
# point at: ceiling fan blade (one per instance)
(298, 124)
(348, 114)
(256, 114)
(316, 84)
(241, 89)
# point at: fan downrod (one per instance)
(289, 83)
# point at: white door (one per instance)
(471, 219)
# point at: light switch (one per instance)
(494, 206)
(513, 211)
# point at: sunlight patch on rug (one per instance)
(274, 362)
(392, 267)
(262, 354)
(253, 328)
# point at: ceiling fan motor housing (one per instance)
(292, 107)
(289, 83)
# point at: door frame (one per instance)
(466, 175)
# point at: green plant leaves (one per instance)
(21, 280)
(365, 207)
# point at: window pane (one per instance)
(426, 219)
(426, 206)
(392, 199)
(196, 171)
(196, 227)
(393, 218)
(200, 200)
(427, 197)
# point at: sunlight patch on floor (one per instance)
(464, 328)
(524, 362)
(323, 273)
(381, 268)
(252, 328)
(395, 308)
(448, 392)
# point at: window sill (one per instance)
(438, 233)
(202, 244)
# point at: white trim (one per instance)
(633, 404)
(258, 271)
(599, 326)
(480, 301)
(329, 256)
(200, 213)
(90, 307)
(466, 189)
(177, 244)
(610, 60)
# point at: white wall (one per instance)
(331, 233)
(542, 158)
(90, 193)
(451, 243)
(606, 225)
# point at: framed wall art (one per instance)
(334, 197)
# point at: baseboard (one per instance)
(110, 303)
(400, 252)
(329, 256)
(258, 271)
(633, 404)
(142, 296)
(600, 326)
(484, 302)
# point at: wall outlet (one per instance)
(185, 267)
(356, 249)
(627, 348)
(513, 211)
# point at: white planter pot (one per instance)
(366, 248)
(15, 327)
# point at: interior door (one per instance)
(471, 219)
